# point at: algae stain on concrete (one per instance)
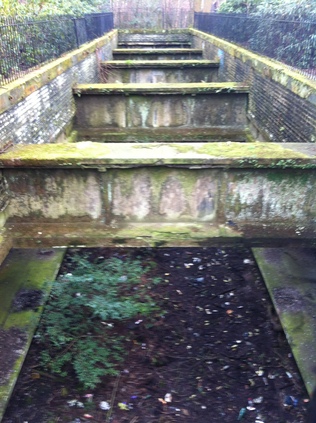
(290, 277)
(28, 271)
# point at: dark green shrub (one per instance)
(84, 306)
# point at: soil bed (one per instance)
(217, 349)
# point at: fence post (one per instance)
(76, 31)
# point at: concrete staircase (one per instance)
(160, 94)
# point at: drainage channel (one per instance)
(215, 345)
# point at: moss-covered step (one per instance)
(153, 71)
(290, 276)
(227, 155)
(189, 105)
(143, 135)
(154, 44)
(154, 36)
(157, 53)
(26, 276)
(183, 234)
(263, 189)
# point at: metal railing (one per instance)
(292, 42)
(26, 44)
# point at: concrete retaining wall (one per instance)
(142, 105)
(162, 194)
(159, 72)
(282, 102)
(39, 108)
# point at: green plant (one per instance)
(84, 306)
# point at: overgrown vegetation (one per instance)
(296, 9)
(84, 306)
(283, 30)
(33, 8)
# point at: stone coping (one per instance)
(137, 51)
(161, 88)
(26, 269)
(289, 274)
(18, 90)
(155, 43)
(179, 31)
(88, 154)
(178, 64)
(269, 68)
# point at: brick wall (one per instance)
(44, 115)
(282, 103)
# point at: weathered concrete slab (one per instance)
(24, 275)
(155, 44)
(262, 189)
(157, 53)
(142, 135)
(35, 234)
(156, 71)
(290, 276)
(148, 36)
(161, 105)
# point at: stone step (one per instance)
(143, 135)
(190, 105)
(154, 38)
(157, 53)
(154, 44)
(256, 189)
(153, 71)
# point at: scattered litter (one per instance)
(104, 405)
(259, 372)
(75, 403)
(196, 260)
(138, 322)
(199, 279)
(168, 397)
(289, 375)
(89, 397)
(122, 278)
(257, 400)
(242, 413)
(290, 401)
(88, 416)
(123, 406)
(247, 261)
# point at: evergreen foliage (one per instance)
(75, 329)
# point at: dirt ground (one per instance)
(217, 355)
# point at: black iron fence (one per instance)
(153, 18)
(26, 44)
(289, 41)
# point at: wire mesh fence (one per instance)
(153, 18)
(26, 44)
(289, 41)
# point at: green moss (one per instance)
(258, 150)
(23, 269)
